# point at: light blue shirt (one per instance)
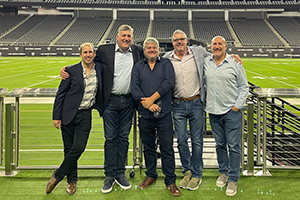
(226, 85)
(122, 74)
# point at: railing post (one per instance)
(250, 138)
(265, 136)
(1, 128)
(9, 139)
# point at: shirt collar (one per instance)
(157, 60)
(226, 59)
(84, 70)
(117, 48)
(173, 55)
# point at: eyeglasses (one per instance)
(179, 39)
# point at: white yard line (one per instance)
(270, 78)
(292, 72)
(16, 75)
(29, 86)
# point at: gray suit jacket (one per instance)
(199, 54)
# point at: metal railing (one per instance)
(270, 136)
(276, 128)
(3, 92)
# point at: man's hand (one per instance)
(154, 108)
(147, 102)
(63, 74)
(235, 109)
(57, 123)
(237, 58)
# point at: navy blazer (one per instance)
(106, 56)
(70, 94)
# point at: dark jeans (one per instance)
(192, 111)
(117, 119)
(75, 136)
(164, 129)
(227, 131)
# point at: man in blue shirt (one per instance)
(227, 91)
(152, 83)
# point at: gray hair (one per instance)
(151, 40)
(85, 44)
(219, 37)
(125, 27)
(178, 31)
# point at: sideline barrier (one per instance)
(26, 92)
(282, 128)
(3, 92)
(18, 93)
(258, 133)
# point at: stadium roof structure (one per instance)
(157, 4)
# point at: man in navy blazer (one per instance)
(117, 61)
(75, 98)
(117, 108)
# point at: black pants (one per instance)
(75, 136)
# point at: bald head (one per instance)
(218, 37)
(218, 47)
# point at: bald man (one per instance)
(227, 90)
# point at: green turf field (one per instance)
(41, 145)
(42, 72)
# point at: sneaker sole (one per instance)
(231, 194)
(221, 185)
(195, 187)
(122, 186)
(108, 190)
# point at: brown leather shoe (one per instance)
(51, 185)
(174, 190)
(146, 183)
(71, 189)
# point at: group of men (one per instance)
(120, 77)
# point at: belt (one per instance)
(83, 110)
(188, 99)
(122, 95)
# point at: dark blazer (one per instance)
(106, 56)
(70, 94)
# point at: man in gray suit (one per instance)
(188, 98)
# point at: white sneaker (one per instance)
(231, 189)
(222, 180)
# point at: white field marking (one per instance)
(270, 78)
(16, 75)
(292, 72)
(272, 59)
(60, 150)
(53, 76)
(23, 66)
(258, 77)
(29, 86)
(26, 66)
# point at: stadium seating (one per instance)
(84, 30)
(38, 30)
(20, 31)
(8, 22)
(288, 28)
(165, 28)
(206, 30)
(45, 31)
(255, 32)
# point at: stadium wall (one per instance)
(74, 51)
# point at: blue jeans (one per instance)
(192, 111)
(164, 128)
(227, 131)
(117, 119)
(75, 136)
